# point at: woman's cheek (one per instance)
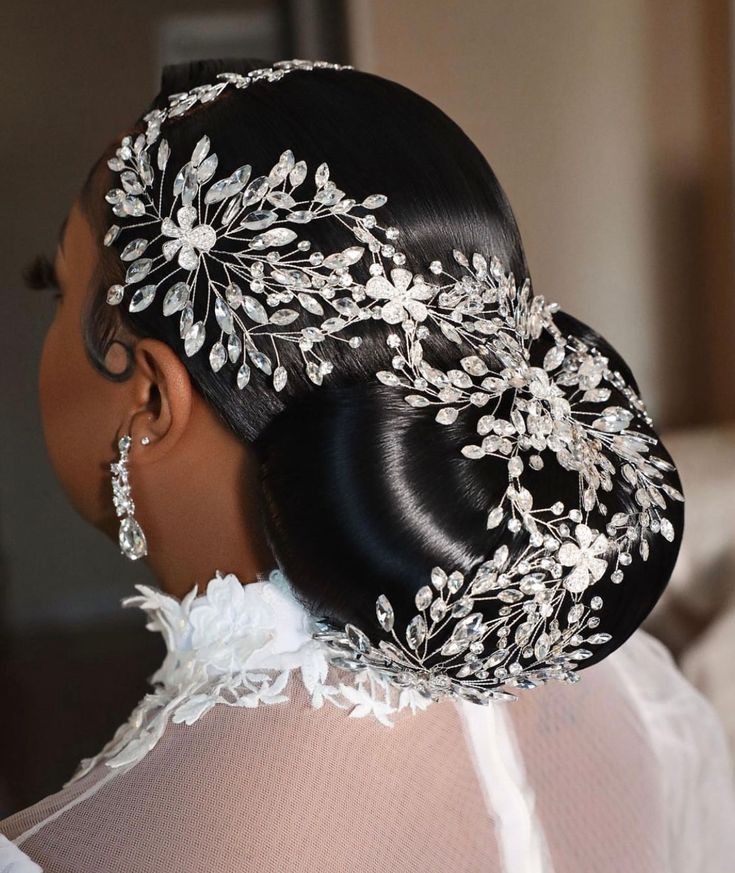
(73, 428)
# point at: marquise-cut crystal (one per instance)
(115, 294)
(217, 356)
(259, 220)
(254, 309)
(176, 298)
(243, 376)
(194, 338)
(142, 298)
(384, 612)
(468, 628)
(234, 347)
(375, 201)
(438, 610)
(613, 419)
(223, 314)
(206, 169)
(186, 319)
(357, 638)
(261, 361)
(284, 316)
(575, 613)
(280, 375)
(134, 249)
(438, 578)
(233, 294)
(277, 236)
(112, 234)
(416, 632)
(138, 270)
(424, 597)
(495, 516)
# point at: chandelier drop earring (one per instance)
(131, 537)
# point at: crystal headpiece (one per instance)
(233, 245)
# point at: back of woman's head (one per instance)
(364, 493)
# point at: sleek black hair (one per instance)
(362, 494)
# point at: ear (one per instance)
(159, 398)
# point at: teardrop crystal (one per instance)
(132, 539)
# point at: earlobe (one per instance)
(162, 398)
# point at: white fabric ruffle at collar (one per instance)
(238, 645)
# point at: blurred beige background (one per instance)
(610, 126)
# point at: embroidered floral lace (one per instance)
(253, 753)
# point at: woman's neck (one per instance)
(213, 522)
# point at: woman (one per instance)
(393, 502)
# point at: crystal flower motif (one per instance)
(404, 300)
(190, 239)
(584, 557)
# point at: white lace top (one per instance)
(253, 753)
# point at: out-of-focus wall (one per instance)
(608, 126)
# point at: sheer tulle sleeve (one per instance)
(629, 768)
(626, 770)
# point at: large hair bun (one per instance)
(363, 495)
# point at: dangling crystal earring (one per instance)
(132, 539)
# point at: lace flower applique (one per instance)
(237, 645)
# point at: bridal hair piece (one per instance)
(232, 262)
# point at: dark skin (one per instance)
(194, 482)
